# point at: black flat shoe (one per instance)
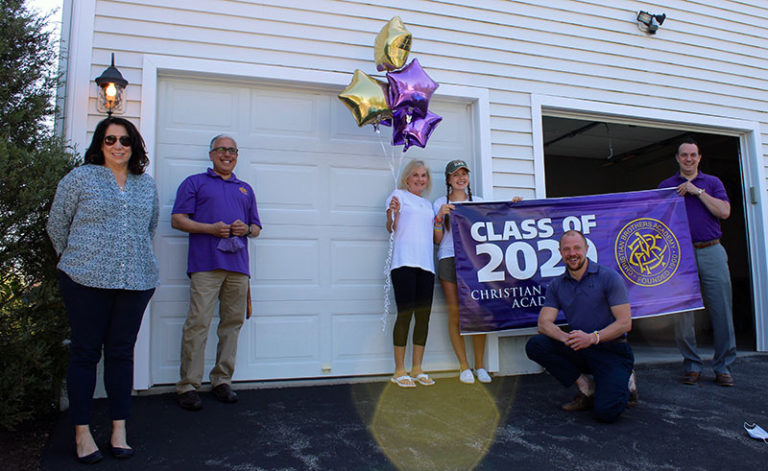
(94, 457)
(121, 453)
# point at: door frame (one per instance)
(752, 169)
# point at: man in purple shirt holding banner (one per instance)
(219, 212)
(706, 203)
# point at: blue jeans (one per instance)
(609, 363)
(108, 318)
(715, 281)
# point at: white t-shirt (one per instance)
(445, 249)
(413, 236)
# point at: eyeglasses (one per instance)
(222, 150)
(125, 141)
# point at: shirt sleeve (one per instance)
(254, 216)
(616, 290)
(186, 198)
(155, 213)
(62, 212)
(717, 189)
(552, 299)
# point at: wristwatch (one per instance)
(249, 228)
(701, 190)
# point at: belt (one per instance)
(706, 243)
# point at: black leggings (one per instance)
(413, 295)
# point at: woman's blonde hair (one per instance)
(408, 170)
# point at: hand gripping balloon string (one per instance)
(393, 167)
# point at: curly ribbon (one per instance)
(394, 162)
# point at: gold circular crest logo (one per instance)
(647, 252)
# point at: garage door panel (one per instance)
(290, 115)
(355, 262)
(286, 261)
(345, 181)
(172, 292)
(166, 339)
(277, 185)
(221, 105)
(284, 337)
(172, 173)
(171, 252)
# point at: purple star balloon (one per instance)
(410, 89)
(413, 131)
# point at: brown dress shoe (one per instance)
(579, 402)
(224, 393)
(189, 400)
(691, 377)
(724, 379)
(633, 398)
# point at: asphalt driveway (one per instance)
(513, 423)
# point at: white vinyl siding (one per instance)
(708, 58)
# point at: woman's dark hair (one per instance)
(448, 190)
(138, 161)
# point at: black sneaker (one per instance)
(189, 400)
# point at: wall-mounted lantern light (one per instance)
(648, 23)
(111, 99)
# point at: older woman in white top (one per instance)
(410, 216)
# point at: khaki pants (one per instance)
(231, 290)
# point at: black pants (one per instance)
(413, 294)
(101, 317)
(609, 363)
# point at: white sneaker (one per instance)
(467, 377)
(483, 376)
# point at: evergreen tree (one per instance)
(33, 323)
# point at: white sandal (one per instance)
(403, 381)
(424, 380)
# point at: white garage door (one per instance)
(317, 269)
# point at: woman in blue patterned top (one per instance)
(101, 223)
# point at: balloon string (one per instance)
(387, 282)
(394, 162)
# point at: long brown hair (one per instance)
(448, 191)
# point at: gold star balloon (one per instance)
(390, 51)
(366, 98)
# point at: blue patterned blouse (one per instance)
(104, 234)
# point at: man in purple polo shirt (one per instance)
(219, 213)
(706, 203)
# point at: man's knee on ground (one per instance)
(609, 413)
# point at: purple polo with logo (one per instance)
(208, 198)
(704, 225)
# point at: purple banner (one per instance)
(507, 254)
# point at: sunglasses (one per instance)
(125, 141)
(225, 150)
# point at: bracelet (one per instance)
(438, 221)
(597, 336)
(437, 228)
